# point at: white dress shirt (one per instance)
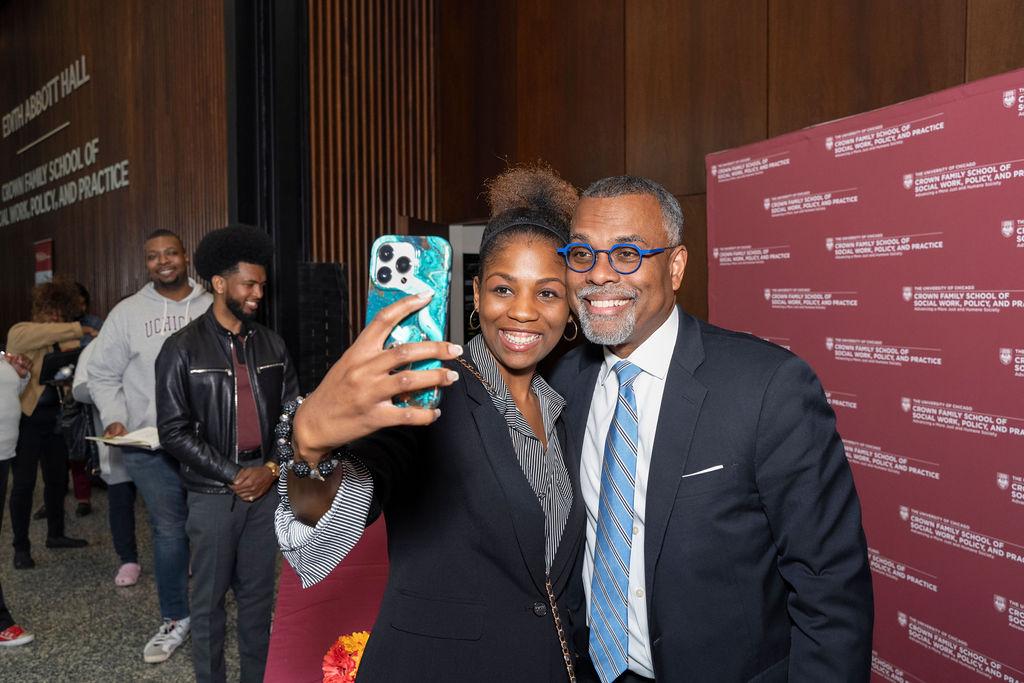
(653, 358)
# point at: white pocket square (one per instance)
(710, 469)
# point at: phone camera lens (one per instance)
(403, 264)
(386, 252)
(384, 275)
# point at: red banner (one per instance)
(887, 249)
(44, 260)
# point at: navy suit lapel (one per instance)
(525, 513)
(575, 416)
(680, 408)
(577, 410)
(568, 547)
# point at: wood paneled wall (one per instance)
(570, 86)
(415, 102)
(649, 87)
(373, 124)
(697, 82)
(830, 59)
(156, 98)
(994, 30)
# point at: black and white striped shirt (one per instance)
(314, 551)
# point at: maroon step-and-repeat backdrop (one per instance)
(887, 249)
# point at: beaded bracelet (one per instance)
(286, 455)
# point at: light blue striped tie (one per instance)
(609, 606)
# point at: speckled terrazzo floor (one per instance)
(86, 628)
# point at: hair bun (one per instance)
(534, 186)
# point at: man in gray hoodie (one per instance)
(123, 383)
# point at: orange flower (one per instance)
(342, 659)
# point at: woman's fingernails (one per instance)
(453, 376)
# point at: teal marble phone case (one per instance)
(401, 265)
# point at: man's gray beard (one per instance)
(615, 331)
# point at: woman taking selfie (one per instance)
(480, 507)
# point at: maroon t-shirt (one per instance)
(247, 420)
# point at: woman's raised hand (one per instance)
(354, 398)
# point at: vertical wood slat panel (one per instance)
(372, 138)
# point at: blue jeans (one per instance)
(156, 476)
(121, 499)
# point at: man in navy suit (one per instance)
(746, 559)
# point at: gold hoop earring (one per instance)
(575, 329)
(472, 325)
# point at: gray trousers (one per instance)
(233, 546)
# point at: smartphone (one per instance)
(401, 265)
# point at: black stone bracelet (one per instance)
(324, 469)
(286, 455)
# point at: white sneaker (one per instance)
(161, 646)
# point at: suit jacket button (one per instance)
(540, 609)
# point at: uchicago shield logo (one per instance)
(767, 294)
(908, 180)
(715, 250)
(767, 203)
(908, 293)
(829, 243)
(714, 169)
(828, 142)
(1008, 98)
(902, 618)
(1003, 480)
(1006, 228)
(1005, 356)
(904, 512)
(999, 602)
(905, 404)
(829, 343)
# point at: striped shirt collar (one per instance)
(551, 402)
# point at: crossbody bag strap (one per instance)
(566, 656)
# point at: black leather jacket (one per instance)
(196, 397)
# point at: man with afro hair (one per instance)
(221, 383)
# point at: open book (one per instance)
(146, 437)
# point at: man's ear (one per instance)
(220, 284)
(678, 266)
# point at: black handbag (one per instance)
(76, 423)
